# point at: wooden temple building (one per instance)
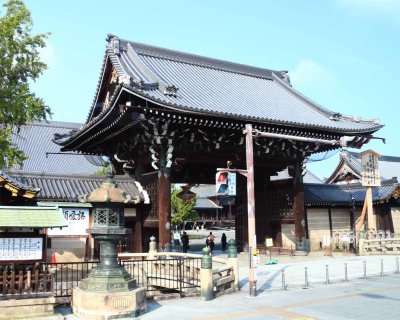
(165, 117)
(42, 194)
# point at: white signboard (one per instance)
(231, 184)
(369, 169)
(78, 222)
(21, 248)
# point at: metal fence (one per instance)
(181, 274)
(67, 275)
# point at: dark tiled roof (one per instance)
(339, 194)
(62, 187)
(211, 86)
(35, 140)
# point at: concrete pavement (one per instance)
(359, 298)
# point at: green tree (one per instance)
(182, 210)
(20, 64)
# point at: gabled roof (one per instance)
(35, 139)
(68, 187)
(350, 162)
(308, 177)
(203, 85)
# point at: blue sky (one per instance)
(343, 54)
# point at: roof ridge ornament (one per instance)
(171, 91)
(114, 44)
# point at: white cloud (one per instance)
(387, 8)
(308, 73)
(48, 55)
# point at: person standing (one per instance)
(185, 242)
(223, 242)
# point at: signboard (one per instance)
(269, 242)
(370, 176)
(21, 248)
(231, 184)
(78, 222)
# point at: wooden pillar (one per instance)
(137, 236)
(164, 208)
(298, 208)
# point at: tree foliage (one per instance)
(20, 64)
(182, 210)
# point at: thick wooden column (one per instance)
(298, 209)
(164, 208)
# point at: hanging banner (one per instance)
(21, 248)
(78, 223)
(370, 176)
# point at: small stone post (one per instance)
(361, 246)
(152, 247)
(206, 276)
(233, 261)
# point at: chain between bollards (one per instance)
(305, 277)
(326, 274)
(283, 280)
(345, 273)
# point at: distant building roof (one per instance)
(205, 203)
(17, 188)
(308, 177)
(342, 194)
(35, 139)
(350, 162)
(67, 188)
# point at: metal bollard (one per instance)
(305, 277)
(326, 274)
(283, 280)
(397, 265)
(381, 267)
(365, 269)
(345, 273)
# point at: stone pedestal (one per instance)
(41, 306)
(99, 305)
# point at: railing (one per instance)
(67, 275)
(379, 246)
(24, 279)
(172, 274)
(223, 281)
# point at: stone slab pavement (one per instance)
(376, 297)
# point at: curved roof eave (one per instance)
(264, 121)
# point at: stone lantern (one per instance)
(109, 291)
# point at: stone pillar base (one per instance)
(113, 305)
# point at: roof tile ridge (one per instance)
(53, 124)
(195, 59)
(102, 71)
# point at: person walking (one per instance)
(223, 242)
(185, 242)
(210, 241)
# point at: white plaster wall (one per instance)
(396, 219)
(318, 226)
(288, 236)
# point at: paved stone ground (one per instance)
(376, 297)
